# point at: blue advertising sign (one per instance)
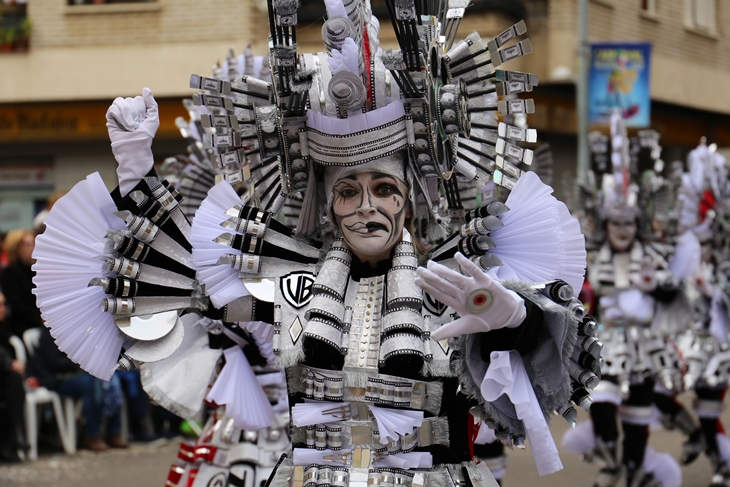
(619, 80)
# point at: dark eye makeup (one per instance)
(346, 191)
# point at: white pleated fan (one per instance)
(240, 391)
(222, 283)
(68, 255)
(395, 422)
(540, 240)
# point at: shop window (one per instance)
(14, 26)
(648, 6)
(700, 15)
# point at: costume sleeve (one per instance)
(121, 264)
(549, 344)
(520, 377)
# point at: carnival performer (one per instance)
(703, 208)
(387, 363)
(635, 274)
(222, 452)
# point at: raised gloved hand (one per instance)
(646, 280)
(482, 303)
(132, 124)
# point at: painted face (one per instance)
(621, 234)
(370, 209)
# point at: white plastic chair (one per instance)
(64, 412)
(17, 344)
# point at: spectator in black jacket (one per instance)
(16, 281)
(12, 395)
(55, 371)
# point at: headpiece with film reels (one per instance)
(434, 99)
(625, 184)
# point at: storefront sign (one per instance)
(26, 176)
(73, 121)
(619, 81)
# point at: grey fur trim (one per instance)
(471, 388)
(437, 368)
(281, 475)
(440, 428)
(293, 379)
(297, 435)
(480, 475)
(292, 356)
(434, 397)
(550, 394)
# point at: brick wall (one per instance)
(56, 25)
(623, 20)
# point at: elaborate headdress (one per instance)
(704, 198)
(435, 100)
(625, 184)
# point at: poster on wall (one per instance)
(619, 81)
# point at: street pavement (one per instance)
(147, 466)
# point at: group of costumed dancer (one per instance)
(657, 284)
(326, 272)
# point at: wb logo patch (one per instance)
(297, 288)
(434, 306)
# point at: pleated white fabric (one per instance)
(507, 375)
(315, 412)
(723, 443)
(540, 239)
(240, 391)
(179, 382)
(395, 422)
(686, 256)
(222, 283)
(579, 440)
(663, 467)
(68, 255)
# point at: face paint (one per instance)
(370, 209)
(621, 234)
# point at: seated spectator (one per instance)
(3, 253)
(55, 371)
(138, 405)
(12, 395)
(16, 281)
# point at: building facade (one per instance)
(69, 59)
(690, 68)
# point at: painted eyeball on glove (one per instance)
(479, 300)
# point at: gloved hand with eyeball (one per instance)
(482, 303)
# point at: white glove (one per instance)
(132, 124)
(482, 303)
(646, 280)
(703, 280)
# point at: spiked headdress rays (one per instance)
(435, 99)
